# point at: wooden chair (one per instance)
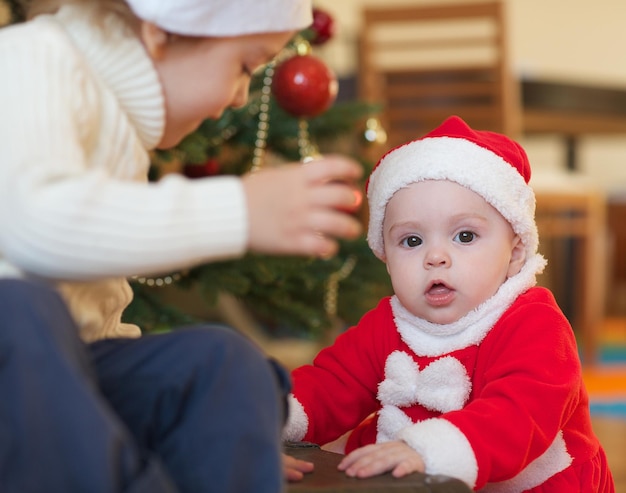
(569, 208)
(423, 63)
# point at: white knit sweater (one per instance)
(79, 109)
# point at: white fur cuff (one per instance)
(444, 449)
(297, 421)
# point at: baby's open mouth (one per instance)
(439, 293)
(438, 287)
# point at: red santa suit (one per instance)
(503, 408)
(497, 397)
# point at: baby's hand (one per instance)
(372, 460)
(294, 469)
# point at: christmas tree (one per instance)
(285, 120)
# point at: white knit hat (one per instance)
(224, 17)
(488, 163)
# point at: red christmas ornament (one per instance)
(304, 86)
(323, 27)
(210, 168)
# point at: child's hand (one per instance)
(372, 460)
(294, 469)
(301, 209)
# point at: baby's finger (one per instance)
(354, 457)
(404, 469)
(367, 466)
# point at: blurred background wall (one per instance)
(571, 41)
(579, 41)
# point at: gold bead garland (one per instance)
(264, 119)
(308, 152)
(332, 285)
(158, 282)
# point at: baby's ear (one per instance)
(518, 257)
(383, 255)
(154, 39)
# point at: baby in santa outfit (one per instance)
(469, 369)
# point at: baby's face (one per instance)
(447, 250)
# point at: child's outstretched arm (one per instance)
(380, 458)
(301, 209)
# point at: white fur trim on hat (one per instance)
(224, 17)
(459, 160)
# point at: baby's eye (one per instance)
(412, 241)
(465, 237)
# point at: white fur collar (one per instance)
(429, 339)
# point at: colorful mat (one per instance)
(606, 381)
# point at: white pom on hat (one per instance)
(224, 17)
(488, 163)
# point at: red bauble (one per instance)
(210, 168)
(304, 86)
(323, 26)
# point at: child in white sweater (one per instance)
(87, 89)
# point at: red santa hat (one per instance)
(488, 163)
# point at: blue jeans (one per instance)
(195, 410)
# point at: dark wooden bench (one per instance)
(326, 478)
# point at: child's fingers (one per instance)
(309, 217)
(294, 469)
(326, 225)
(318, 245)
(340, 225)
(333, 168)
(338, 195)
(319, 238)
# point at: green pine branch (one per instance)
(285, 294)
